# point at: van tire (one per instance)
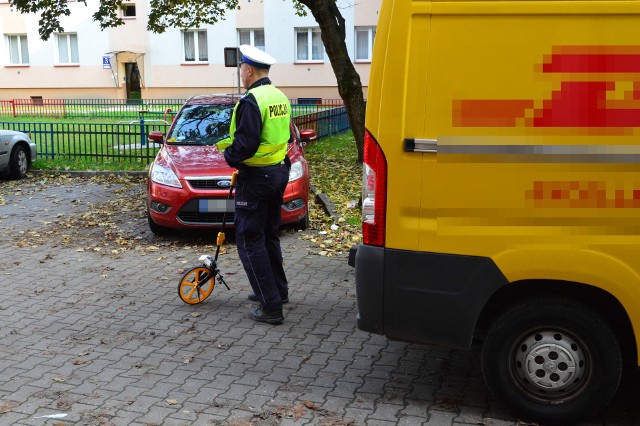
(547, 341)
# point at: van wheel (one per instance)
(19, 162)
(158, 230)
(552, 361)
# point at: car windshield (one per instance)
(201, 125)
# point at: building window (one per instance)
(364, 43)
(18, 49)
(67, 48)
(252, 37)
(195, 46)
(309, 46)
(128, 10)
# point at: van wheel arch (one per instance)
(601, 301)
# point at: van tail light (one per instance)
(374, 192)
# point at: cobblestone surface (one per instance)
(102, 337)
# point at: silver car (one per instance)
(16, 153)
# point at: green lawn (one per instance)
(334, 171)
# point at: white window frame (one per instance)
(309, 31)
(196, 58)
(252, 37)
(67, 36)
(21, 39)
(125, 5)
(371, 31)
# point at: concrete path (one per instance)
(92, 331)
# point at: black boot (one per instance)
(273, 317)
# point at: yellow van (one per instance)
(501, 193)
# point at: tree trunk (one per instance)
(332, 28)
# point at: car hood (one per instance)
(201, 160)
(190, 160)
(9, 134)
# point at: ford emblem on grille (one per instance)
(224, 183)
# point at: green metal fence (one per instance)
(324, 122)
(126, 109)
(127, 140)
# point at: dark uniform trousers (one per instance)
(258, 200)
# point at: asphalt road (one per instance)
(92, 331)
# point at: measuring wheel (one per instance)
(196, 285)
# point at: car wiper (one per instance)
(185, 142)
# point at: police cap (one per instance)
(256, 57)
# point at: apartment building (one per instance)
(129, 62)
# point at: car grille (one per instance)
(204, 218)
(190, 213)
(208, 183)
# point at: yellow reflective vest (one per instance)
(276, 115)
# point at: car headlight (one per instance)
(164, 176)
(296, 171)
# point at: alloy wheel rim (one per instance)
(22, 162)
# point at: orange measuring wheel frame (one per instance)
(196, 285)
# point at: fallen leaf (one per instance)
(8, 405)
(239, 422)
(310, 405)
(299, 411)
(81, 361)
(172, 401)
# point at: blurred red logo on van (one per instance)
(590, 75)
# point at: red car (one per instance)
(189, 180)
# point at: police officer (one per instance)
(259, 135)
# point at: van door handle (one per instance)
(421, 145)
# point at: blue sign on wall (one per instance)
(106, 62)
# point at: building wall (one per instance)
(366, 13)
(160, 57)
(250, 14)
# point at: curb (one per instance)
(328, 207)
(90, 173)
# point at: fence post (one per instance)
(52, 143)
(142, 133)
(13, 107)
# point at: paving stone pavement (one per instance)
(104, 339)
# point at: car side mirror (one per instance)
(156, 136)
(307, 135)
